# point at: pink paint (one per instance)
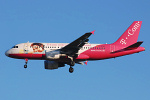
(93, 32)
(125, 45)
(86, 62)
(130, 36)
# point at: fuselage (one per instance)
(87, 52)
(58, 54)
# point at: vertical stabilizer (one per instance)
(130, 36)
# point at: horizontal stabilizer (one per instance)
(133, 46)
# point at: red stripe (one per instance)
(29, 56)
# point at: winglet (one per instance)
(93, 32)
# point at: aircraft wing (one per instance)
(72, 48)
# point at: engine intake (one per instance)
(53, 54)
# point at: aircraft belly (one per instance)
(29, 56)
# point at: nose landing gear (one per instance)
(26, 61)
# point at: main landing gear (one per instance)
(71, 69)
(26, 61)
(72, 63)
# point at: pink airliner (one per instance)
(79, 51)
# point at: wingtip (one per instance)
(93, 32)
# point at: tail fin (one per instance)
(130, 36)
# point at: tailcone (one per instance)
(141, 49)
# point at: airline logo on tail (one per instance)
(130, 32)
(79, 51)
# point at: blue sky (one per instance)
(123, 78)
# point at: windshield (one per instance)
(15, 47)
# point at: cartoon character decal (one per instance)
(37, 47)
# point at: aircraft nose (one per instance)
(7, 52)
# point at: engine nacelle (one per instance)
(53, 64)
(53, 54)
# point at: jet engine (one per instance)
(53, 64)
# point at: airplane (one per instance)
(80, 51)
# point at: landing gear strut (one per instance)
(26, 61)
(71, 63)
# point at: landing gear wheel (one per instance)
(25, 66)
(71, 70)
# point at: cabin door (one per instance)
(26, 48)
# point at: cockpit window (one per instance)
(15, 47)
